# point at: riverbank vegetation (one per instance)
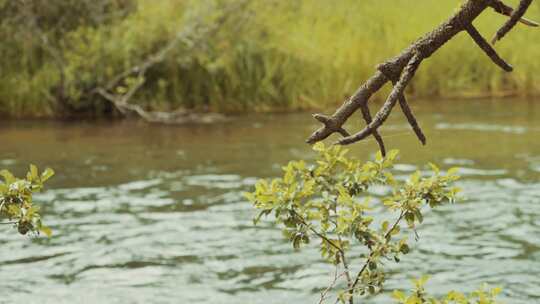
(59, 58)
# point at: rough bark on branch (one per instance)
(400, 71)
(384, 112)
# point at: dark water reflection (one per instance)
(155, 214)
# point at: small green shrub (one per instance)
(16, 202)
(329, 203)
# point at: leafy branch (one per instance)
(330, 201)
(16, 204)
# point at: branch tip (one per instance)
(412, 120)
(322, 118)
(367, 118)
(515, 17)
(486, 48)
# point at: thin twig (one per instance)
(331, 286)
(368, 260)
(342, 254)
(338, 248)
(345, 264)
(316, 232)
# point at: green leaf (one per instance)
(260, 215)
(418, 215)
(392, 154)
(404, 248)
(46, 230)
(419, 283)
(434, 168)
(3, 188)
(33, 172)
(399, 295)
(385, 226)
(415, 177)
(249, 196)
(8, 177)
(48, 173)
(389, 159)
(452, 171)
(409, 217)
(319, 147)
(495, 291)
(297, 239)
(378, 157)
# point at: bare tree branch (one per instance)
(384, 112)
(331, 286)
(400, 70)
(335, 122)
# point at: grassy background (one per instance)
(272, 55)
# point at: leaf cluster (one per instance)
(16, 204)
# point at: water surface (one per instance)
(154, 214)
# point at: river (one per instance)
(154, 214)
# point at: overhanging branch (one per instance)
(389, 104)
(400, 71)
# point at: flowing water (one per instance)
(155, 214)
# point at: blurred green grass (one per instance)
(272, 56)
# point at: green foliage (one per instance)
(16, 202)
(419, 296)
(270, 55)
(329, 203)
(35, 41)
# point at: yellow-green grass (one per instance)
(275, 55)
